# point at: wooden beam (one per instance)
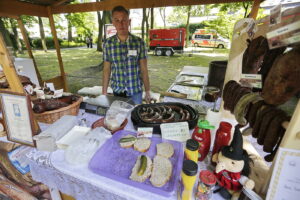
(255, 8)
(28, 47)
(13, 7)
(9, 68)
(58, 3)
(8, 16)
(130, 4)
(57, 47)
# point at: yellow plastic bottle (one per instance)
(191, 150)
(188, 178)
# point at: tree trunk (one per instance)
(187, 27)
(100, 31)
(152, 18)
(42, 33)
(246, 6)
(143, 23)
(16, 36)
(70, 36)
(5, 33)
(147, 28)
(162, 12)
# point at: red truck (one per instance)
(166, 41)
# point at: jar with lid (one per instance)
(188, 178)
(202, 135)
(207, 181)
(191, 150)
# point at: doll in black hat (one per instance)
(233, 168)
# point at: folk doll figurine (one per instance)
(233, 168)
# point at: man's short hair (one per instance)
(119, 9)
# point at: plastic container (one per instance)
(223, 137)
(216, 73)
(207, 181)
(191, 150)
(188, 178)
(202, 135)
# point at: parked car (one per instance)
(166, 41)
(209, 39)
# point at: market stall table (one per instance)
(81, 183)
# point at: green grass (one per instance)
(81, 62)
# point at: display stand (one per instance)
(292, 136)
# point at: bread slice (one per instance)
(161, 172)
(165, 149)
(134, 172)
(129, 143)
(142, 144)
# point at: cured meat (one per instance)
(282, 81)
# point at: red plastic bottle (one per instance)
(223, 136)
(202, 135)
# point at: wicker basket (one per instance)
(51, 116)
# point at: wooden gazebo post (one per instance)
(26, 40)
(255, 8)
(57, 47)
(9, 69)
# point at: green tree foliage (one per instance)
(223, 24)
(82, 22)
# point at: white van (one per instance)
(209, 40)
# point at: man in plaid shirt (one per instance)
(125, 60)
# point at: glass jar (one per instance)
(191, 150)
(207, 181)
(188, 178)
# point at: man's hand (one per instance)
(148, 97)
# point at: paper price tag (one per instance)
(285, 35)
(175, 131)
(58, 93)
(145, 132)
(275, 15)
(254, 80)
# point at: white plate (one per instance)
(73, 135)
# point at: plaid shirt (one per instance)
(125, 66)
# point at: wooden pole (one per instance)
(255, 8)
(57, 47)
(9, 68)
(28, 47)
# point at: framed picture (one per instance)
(18, 117)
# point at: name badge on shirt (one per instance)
(132, 52)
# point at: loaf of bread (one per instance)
(165, 149)
(161, 172)
(127, 141)
(142, 144)
(142, 169)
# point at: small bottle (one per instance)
(191, 150)
(223, 137)
(207, 181)
(202, 135)
(188, 178)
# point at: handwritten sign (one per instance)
(145, 132)
(175, 131)
(285, 181)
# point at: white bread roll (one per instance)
(161, 172)
(142, 144)
(165, 149)
(134, 173)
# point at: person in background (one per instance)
(125, 61)
(91, 42)
(87, 41)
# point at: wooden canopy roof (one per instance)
(11, 8)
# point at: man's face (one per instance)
(121, 21)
